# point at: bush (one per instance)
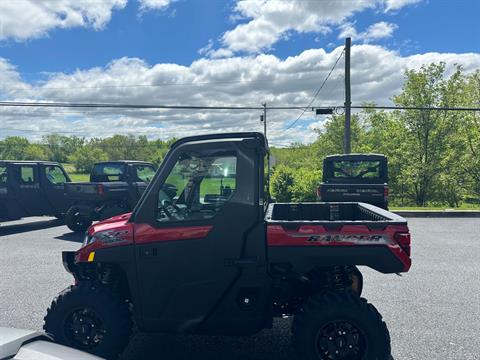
(281, 183)
(305, 185)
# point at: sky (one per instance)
(215, 53)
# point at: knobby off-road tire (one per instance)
(76, 221)
(90, 318)
(340, 326)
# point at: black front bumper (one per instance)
(68, 259)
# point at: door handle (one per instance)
(149, 252)
(248, 261)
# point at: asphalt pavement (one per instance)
(432, 312)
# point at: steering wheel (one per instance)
(167, 205)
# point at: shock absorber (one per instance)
(105, 275)
(340, 278)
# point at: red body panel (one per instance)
(145, 233)
(347, 235)
(116, 231)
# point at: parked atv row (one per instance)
(39, 188)
(36, 188)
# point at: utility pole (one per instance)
(347, 146)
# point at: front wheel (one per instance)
(76, 221)
(340, 326)
(91, 319)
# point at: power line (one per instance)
(318, 91)
(423, 108)
(139, 106)
(204, 107)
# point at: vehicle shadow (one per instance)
(189, 347)
(26, 227)
(267, 345)
(71, 236)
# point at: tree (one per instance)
(85, 157)
(470, 131)
(428, 131)
(281, 182)
(13, 148)
(34, 152)
(60, 147)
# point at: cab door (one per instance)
(53, 180)
(199, 237)
(29, 195)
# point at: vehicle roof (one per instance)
(29, 162)
(236, 136)
(355, 156)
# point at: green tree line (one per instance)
(83, 153)
(434, 156)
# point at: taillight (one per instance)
(404, 240)
(100, 189)
(385, 192)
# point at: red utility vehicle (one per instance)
(203, 252)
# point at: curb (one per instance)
(438, 213)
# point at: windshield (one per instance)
(197, 187)
(356, 169)
(108, 172)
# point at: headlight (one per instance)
(87, 240)
(106, 237)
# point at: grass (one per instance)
(74, 175)
(79, 177)
(463, 206)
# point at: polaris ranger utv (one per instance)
(32, 188)
(114, 189)
(203, 252)
(355, 177)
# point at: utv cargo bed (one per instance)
(332, 213)
(330, 234)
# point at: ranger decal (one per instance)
(351, 238)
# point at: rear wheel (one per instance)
(91, 319)
(340, 326)
(76, 221)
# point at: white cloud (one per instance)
(154, 4)
(26, 19)
(268, 21)
(373, 32)
(377, 75)
(29, 19)
(398, 4)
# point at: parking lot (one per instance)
(432, 312)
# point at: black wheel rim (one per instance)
(84, 328)
(341, 340)
(79, 220)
